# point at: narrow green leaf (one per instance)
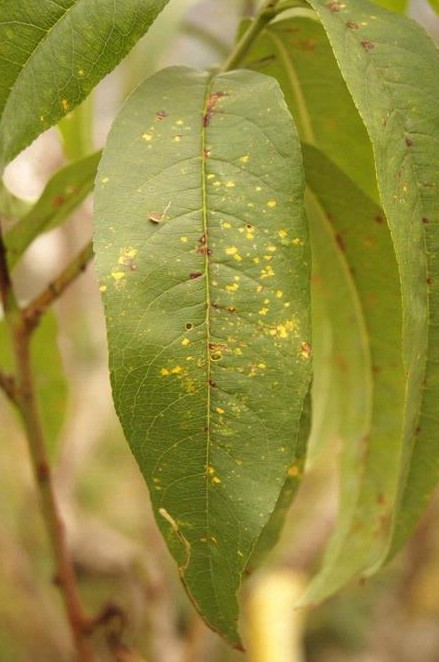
(297, 53)
(76, 131)
(435, 5)
(394, 82)
(52, 54)
(51, 384)
(63, 193)
(357, 341)
(11, 207)
(202, 252)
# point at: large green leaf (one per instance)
(52, 54)
(50, 381)
(297, 53)
(359, 379)
(392, 70)
(63, 193)
(202, 252)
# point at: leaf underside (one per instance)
(52, 54)
(395, 86)
(358, 379)
(202, 252)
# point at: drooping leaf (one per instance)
(51, 384)
(395, 85)
(358, 378)
(297, 53)
(63, 193)
(52, 54)
(202, 252)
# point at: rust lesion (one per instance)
(211, 103)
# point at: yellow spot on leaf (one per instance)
(244, 159)
(164, 372)
(80, 72)
(230, 184)
(183, 239)
(279, 294)
(262, 366)
(237, 257)
(232, 288)
(293, 471)
(267, 272)
(179, 122)
(185, 342)
(282, 234)
(271, 203)
(216, 480)
(271, 248)
(118, 275)
(210, 176)
(147, 137)
(176, 139)
(105, 180)
(231, 250)
(263, 311)
(256, 260)
(219, 410)
(65, 104)
(176, 370)
(103, 288)
(226, 226)
(217, 183)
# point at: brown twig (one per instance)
(20, 332)
(32, 313)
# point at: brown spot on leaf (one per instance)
(206, 153)
(308, 45)
(231, 309)
(202, 239)
(340, 242)
(429, 280)
(379, 219)
(425, 220)
(189, 326)
(160, 115)
(409, 142)
(212, 101)
(203, 250)
(211, 383)
(367, 45)
(58, 200)
(195, 274)
(352, 26)
(334, 6)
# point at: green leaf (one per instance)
(52, 54)
(63, 193)
(393, 5)
(12, 207)
(271, 533)
(202, 252)
(395, 85)
(51, 384)
(297, 53)
(359, 379)
(76, 131)
(434, 4)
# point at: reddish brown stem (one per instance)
(20, 332)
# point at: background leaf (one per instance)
(202, 252)
(51, 384)
(395, 86)
(63, 193)
(297, 53)
(53, 54)
(359, 379)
